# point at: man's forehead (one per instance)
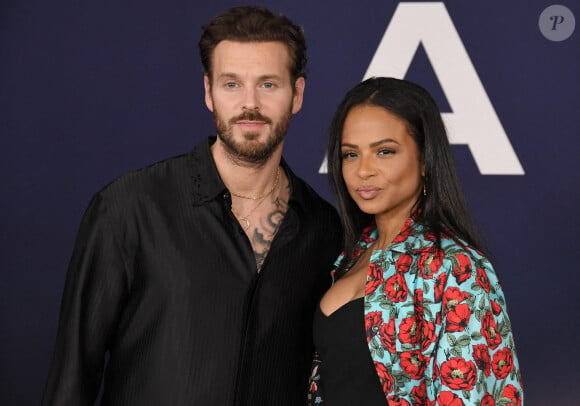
(265, 52)
(251, 58)
(246, 44)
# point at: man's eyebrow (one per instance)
(231, 75)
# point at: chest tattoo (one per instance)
(264, 233)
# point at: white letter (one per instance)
(473, 121)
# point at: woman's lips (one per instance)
(368, 192)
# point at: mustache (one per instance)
(250, 116)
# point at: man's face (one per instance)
(252, 97)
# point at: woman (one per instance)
(416, 314)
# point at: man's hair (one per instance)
(254, 24)
(444, 205)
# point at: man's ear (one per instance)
(207, 87)
(298, 95)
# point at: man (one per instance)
(196, 278)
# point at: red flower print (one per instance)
(384, 377)
(397, 401)
(495, 308)
(482, 279)
(403, 263)
(396, 288)
(414, 363)
(458, 318)
(419, 392)
(436, 371)
(430, 236)
(459, 374)
(408, 331)
(366, 233)
(418, 303)
(438, 318)
(512, 393)
(430, 262)
(503, 363)
(374, 278)
(462, 271)
(406, 231)
(452, 297)
(313, 387)
(373, 321)
(427, 336)
(482, 359)
(449, 399)
(489, 331)
(440, 286)
(487, 400)
(387, 335)
(419, 395)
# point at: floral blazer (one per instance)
(436, 324)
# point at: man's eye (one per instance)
(231, 84)
(268, 85)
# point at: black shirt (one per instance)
(163, 282)
(347, 373)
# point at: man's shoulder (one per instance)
(158, 177)
(314, 206)
(305, 194)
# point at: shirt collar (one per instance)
(207, 182)
(205, 178)
(413, 236)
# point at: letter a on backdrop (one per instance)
(473, 121)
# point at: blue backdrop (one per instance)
(92, 89)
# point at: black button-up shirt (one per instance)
(163, 284)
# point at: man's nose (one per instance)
(251, 99)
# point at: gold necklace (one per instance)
(246, 224)
(244, 218)
(263, 195)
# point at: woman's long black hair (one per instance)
(444, 206)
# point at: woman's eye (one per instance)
(348, 155)
(384, 152)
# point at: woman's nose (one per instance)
(365, 167)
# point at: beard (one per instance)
(250, 150)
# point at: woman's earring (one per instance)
(424, 189)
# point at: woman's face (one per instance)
(381, 166)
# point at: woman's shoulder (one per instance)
(452, 245)
(466, 267)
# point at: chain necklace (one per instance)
(259, 197)
(244, 218)
(262, 198)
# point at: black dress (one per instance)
(347, 373)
